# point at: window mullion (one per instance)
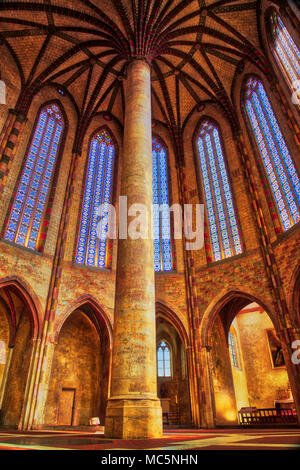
(167, 202)
(212, 196)
(85, 196)
(280, 158)
(290, 44)
(157, 188)
(287, 55)
(160, 212)
(99, 160)
(92, 201)
(107, 183)
(284, 68)
(223, 196)
(271, 162)
(104, 176)
(31, 178)
(214, 199)
(285, 169)
(40, 187)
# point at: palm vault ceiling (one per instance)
(82, 47)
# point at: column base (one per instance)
(133, 418)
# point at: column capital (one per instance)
(52, 340)
(134, 59)
(34, 341)
(76, 152)
(20, 115)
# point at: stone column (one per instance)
(289, 338)
(207, 405)
(27, 406)
(36, 418)
(6, 130)
(5, 375)
(133, 409)
(9, 144)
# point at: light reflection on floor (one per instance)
(245, 439)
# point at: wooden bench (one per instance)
(263, 416)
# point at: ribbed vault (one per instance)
(82, 47)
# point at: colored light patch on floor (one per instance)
(262, 439)
(291, 439)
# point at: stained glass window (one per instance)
(92, 241)
(161, 218)
(278, 163)
(286, 52)
(223, 226)
(30, 203)
(233, 348)
(163, 360)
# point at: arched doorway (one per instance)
(296, 297)
(246, 360)
(172, 368)
(18, 328)
(78, 387)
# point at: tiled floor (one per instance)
(189, 439)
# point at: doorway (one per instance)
(66, 407)
(247, 364)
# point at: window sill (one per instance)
(23, 248)
(226, 260)
(92, 268)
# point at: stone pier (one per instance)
(133, 409)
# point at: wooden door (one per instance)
(66, 407)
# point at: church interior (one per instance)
(186, 103)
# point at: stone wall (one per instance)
(263, 380)
(76, 366)
(17, 376)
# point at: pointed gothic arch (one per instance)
(82, 335)
(19, 340)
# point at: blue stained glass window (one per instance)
(28, 210)
(92, 240)
(163, 360)
(161, 213)
(223, 227)
(278, 163)
(286, 52)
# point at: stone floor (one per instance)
(187, 439)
